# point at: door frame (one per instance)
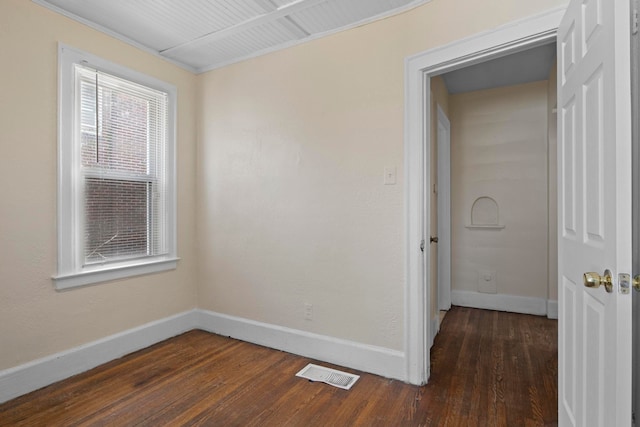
(510, 38)
(635, 169)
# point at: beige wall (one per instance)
(35, 320)
(286, 180)
(292, 147)
(499, 150)
(293, 209)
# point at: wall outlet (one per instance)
(308, 311)
(487, 282)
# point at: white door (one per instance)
(594, 204)
(444, 211)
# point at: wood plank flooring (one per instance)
(488, 369)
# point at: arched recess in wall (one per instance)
(485, 213)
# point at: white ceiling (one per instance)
(523, 67)
(201, 35)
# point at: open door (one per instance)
(594, 224)
(443, 134)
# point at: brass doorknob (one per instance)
(594, 280)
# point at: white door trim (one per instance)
(513, 37)
(444, 210)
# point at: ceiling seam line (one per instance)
(281, 12)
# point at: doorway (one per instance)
(516, 37)
(501, 200)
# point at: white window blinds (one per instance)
(121, 128)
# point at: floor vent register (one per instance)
(329, 376)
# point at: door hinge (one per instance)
(422, 245)
(634, 23)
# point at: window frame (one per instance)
(72, 271)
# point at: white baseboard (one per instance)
(552, 309)
(382, 361)
(39, 373)
(376, 360)
(500, 302)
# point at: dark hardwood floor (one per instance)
(488, 369)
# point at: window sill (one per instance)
(105, 274)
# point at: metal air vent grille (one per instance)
(329, 376)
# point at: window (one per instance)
(116, 172)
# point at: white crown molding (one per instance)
(267, 17)
(113, 34)
(312, 37)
